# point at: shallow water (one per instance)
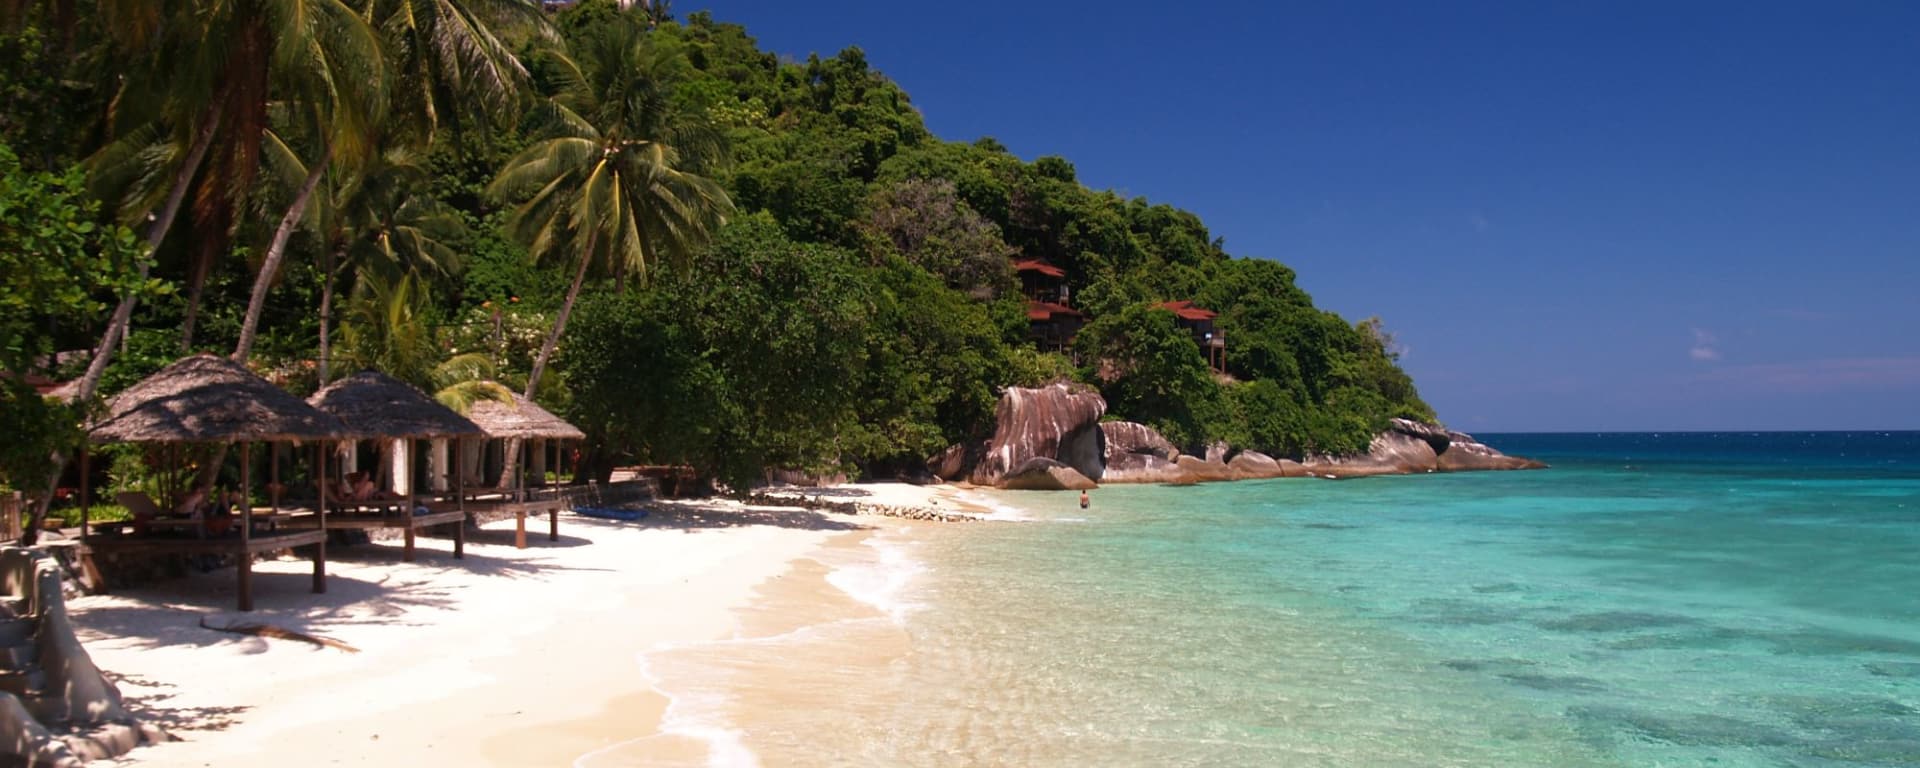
(1675, 600)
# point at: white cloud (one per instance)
(1705, 347)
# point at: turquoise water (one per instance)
(1673, 600)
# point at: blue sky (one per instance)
(1574, 216)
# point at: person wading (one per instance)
(1084, 501)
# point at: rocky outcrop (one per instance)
(56, 708)
(1057, 422)
(1137, 453)
(1143, 468)
(1124, 437)
(1254, 465)
(1466, 454)
(1410, 447)
(1202, 471)
(1043, 474)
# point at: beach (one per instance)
(507, 657)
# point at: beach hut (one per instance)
(542, 431)
(204, 399)
(375, 406)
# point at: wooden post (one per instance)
(520, 502)
(460, 498)
(246, 533)
(320, 549)
(404, 468)
(273, 477)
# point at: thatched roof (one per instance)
(210, 399)
(373, 404)
(521, 419)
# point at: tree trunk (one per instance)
(560, 323)
(326, 313)
(277, 252)
(547, 348)
(123, 313)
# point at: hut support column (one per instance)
(403, 475)
(437, 466)
(539, 451)
(246, 528)
(400, 465)
(320, 549)
(460, 500)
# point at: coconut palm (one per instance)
(332, 95)
(377, 217)
(619, 179)
(447, 58)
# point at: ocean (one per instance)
(1686, 599)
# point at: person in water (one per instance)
(1084, 501)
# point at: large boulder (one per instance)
(1124, 437)
(1144, 468)
(1201, 470)
(1043, 474)
(1058, 422)
(1254, 465)
(1409, 447)
(1466, 454)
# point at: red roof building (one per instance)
(1199, 322)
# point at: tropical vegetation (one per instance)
(701, 252)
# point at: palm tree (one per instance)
(376, 218)
(333, 90)
(619, 181)
(448, 59)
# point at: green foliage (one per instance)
(739, 362)
(58, 265)
(1150, 370)
(783, 267)
(925, 222)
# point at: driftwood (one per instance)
(269, 630)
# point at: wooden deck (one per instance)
(520, 510)
(243, 550)
(410, 524)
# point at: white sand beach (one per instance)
(508, 657)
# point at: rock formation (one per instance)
(1254, 465)
(1052, 438)
(1043, 474)
(1202, 471)
(1057, 422)
(1137, 453)
(1466, 454)
(1409, 447)
(56, 709)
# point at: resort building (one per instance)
(1199, 322)
(1051, 322)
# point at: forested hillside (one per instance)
(755, 262)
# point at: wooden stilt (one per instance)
(460, 496)
(320, 549)
(246, 526)
(520, 527)
(553, 523)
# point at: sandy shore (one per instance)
(508, 657)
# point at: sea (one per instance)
(1653, 599)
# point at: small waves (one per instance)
(883, 580)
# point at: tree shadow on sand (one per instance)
(150, 706)
(168, 613)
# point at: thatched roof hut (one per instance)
(375, 405)
(210, 399)
(521, 419)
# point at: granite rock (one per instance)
(1043, 474)
(1058, 422)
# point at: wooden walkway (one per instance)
(243, 550)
